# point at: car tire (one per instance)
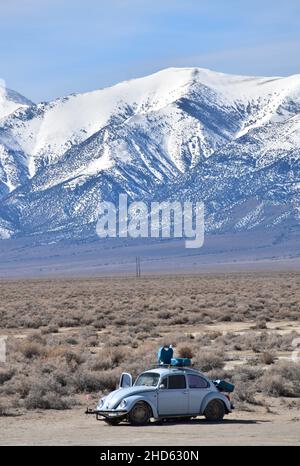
(215, 410)
(140, 414)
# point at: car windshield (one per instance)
(148, 379)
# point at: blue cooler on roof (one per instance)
(165, 354)
(181, 362)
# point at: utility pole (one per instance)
(138, 266)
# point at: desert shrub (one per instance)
(275, 385)
(19, 384)
(100, 364)
(99, 324)
(245, 394)
(108, 358)
(282, 379)
(66, 321)
(237, 347)
(225, 318)
(55, 351)
(48, 368)
(260, 325)
(118, 356)
(267, 358)
(37, 399)
(145, 326)
(164, 315)
(245, 380)
(5, 375)
(31, 322)
(87, 381)
(31, 349)
(92, 342)
(237, 317)
(208, 360)
(214, 335)
(37, 338)
(204, 340)
(185, 352)
(120, 322)
(179, 320)
(260, 342)
(74, 359)
(177, 339)
(72, 341)
(207, 320)
(49, 329)
(3, 410)
(119, 340)
(87, 332)
(48, 392)
(63, 380)
(246, 374)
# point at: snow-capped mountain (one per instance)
(253, 180)
(11, 101)
(12, 166)
(233, 141)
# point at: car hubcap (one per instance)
(140, 413)
(215, 410)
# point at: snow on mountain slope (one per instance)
(46, 131)
(252, 181)
(184, 132)
(13, 170)
(10, 101)
(268, 143)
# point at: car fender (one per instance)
(212, 396)
(132, 400)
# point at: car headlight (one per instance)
(123, 404)
(101, 403)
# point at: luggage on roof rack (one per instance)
(181, 362)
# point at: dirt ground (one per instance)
(73, 427)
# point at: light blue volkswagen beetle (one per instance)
(162, 393)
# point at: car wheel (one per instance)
(215, 410)
(112, 422)
(140, 414)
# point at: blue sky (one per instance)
(50, 48)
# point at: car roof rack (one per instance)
(171, 366)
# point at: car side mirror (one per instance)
(162, 386)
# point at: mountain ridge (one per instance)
(151, 137)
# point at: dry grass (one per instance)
(72, 337)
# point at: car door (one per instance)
(174, 398)
(198, 389)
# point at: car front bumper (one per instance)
(102, 414)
